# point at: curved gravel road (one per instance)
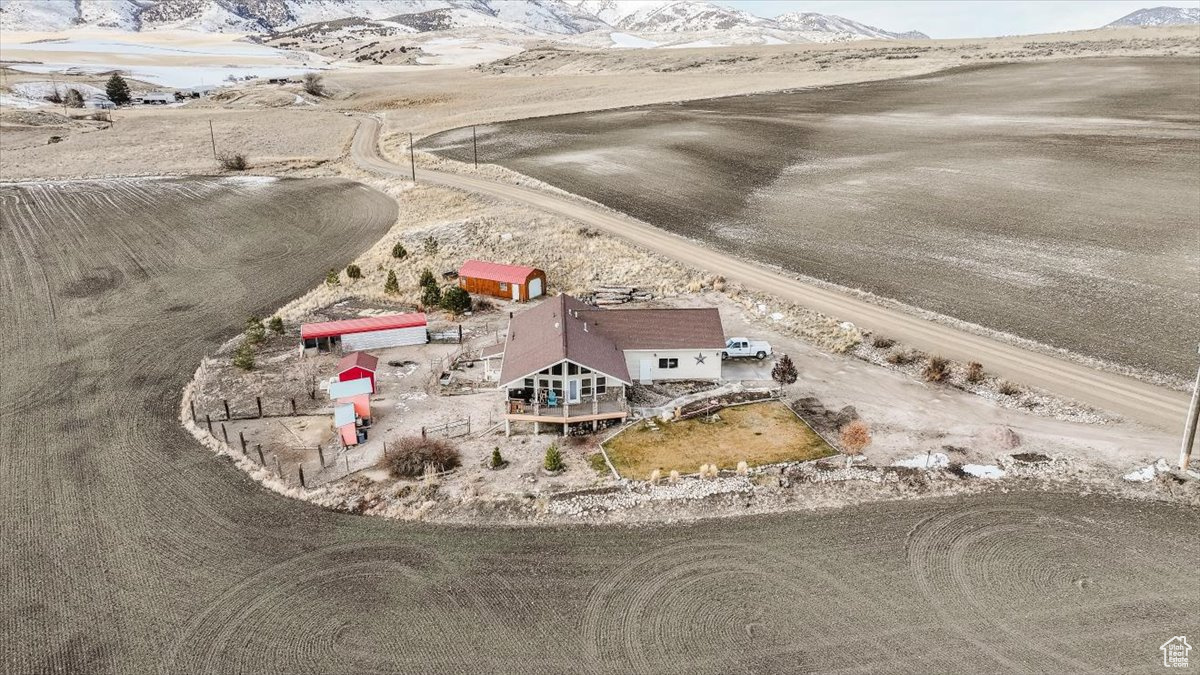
(1137, 400)
(128, 548)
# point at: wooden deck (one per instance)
(568, 414)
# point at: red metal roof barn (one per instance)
(373, 332)
(515, 282)
(358, 365)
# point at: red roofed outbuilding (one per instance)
(512, 282)
(372, 332)
(358, 365)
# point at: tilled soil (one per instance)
(1058, 201)
(128, 548)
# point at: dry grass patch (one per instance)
(761, 433)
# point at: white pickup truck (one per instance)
(740, 347)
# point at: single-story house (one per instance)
(373, 332)
(355, 392)
(155, 98)
(566, 362)
(346, 424)
(515, 282)
(357, 366)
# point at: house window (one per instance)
(557, 369)
(601, 385)
(572, 369)
(503, 286)
(529, 383)
(668, 363)
(585, 388)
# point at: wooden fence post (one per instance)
(321, 455)
(293, 406)
(225, 433)
(422, 432)
(347, 458)
(385, 450)
(278, 468)
(226, 402)
(258, 400)
(193, 404)
(300, 470)
(208, 421)
(242, 438)
(261, 460)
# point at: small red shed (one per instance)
(515, 282)
(358, 365)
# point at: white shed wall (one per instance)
(688, 368)
(379, 339)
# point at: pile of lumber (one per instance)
(618, 295)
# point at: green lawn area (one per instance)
(761, 433)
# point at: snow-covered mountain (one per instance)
(839, 27)
(548, 17)
(1159, 16)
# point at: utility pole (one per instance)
(412, 158)
(475, 145)
(212, 137)
(1189, 429)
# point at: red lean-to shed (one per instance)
(358, 365)
(515, 282)
(372, 332)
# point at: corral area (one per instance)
(903, 188)
(760, 433)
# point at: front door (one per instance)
(516, 288)
(572, 391)
(645, 371)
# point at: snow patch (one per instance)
(1148, 473)
(936, 460)
(984, 470)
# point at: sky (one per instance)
(971, 18)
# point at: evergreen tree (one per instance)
(244, 356)
(118, 90)
(456, 300)
(255, 333)
(391, 286)
(399, 252)
(431, 296)
(784, 371)
(331, 277)
(427, 279)
(431, 245)
(497, 460)
(554, 461)
(353, 271)
(276, 325)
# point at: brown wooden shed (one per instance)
(511, 282)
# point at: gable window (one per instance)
(668, 363)
(503, 286)
(601, 385)
(529, 383)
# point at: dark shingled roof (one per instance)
(565, 328)
(698, 328)
(548, 333)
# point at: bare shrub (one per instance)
(854, 437)
(314, 84)
(1008, 388)
(410, 456)
(937, 369)
(903, 357)
(73, 99)
(975, 372)
(881, 342)
(233, 161)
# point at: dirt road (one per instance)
(1132, 398)
(128, 548)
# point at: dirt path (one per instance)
(1132, 398)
